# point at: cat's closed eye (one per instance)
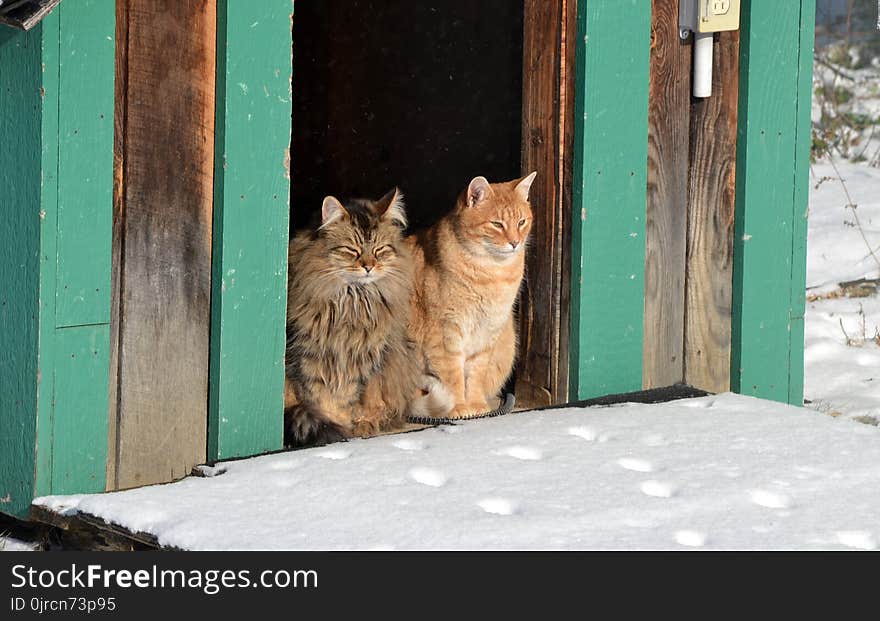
(347, 251)
(383, 251)
(497, 225)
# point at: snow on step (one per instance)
(635, 464)
(690, 538)
(722, 472)
(428, 476)
(9, 544)
(410, 444)
(500, 506)
(658, 489)
(334, 453)
(587, 433)
(528, 453)
(859, 539)
(771, 500)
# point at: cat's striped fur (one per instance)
(349, 361)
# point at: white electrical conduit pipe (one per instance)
(703, 64)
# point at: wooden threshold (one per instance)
(83, 531)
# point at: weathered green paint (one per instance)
(771, 199)
(609, 196)
(54, 157)
(251, 215)
(801, 201)
(86, 68)
(51, 29)
(21, 162)
(80, 422)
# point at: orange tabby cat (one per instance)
(468, 270)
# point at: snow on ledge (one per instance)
(720, 472)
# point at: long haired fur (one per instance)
(348, 362)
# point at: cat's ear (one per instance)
(331, 211)
(390, 208)
(478, 191)
(525, 184)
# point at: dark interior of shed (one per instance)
(420, 95)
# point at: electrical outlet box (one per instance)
(708, 15)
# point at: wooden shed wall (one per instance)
(686, 260)
(692, 302)
(200, 234)
(725, 259)
(162, 244)
(690, 210)
(547, 142)
(56, 129)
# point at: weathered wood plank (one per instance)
(666, 220)
(26, 15)
(712, 196)
(165, 241)
(609, 197)
(543, 146)
(772, 146)
(119, 142)
(251, 216)
(83, 531)
(568, 81)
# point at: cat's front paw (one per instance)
(365, 428)
(469, 409)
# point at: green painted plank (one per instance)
(609, 196)
(34, 454)
(20, 165)
(770, 226)
(801, 201)
(83, 126)
(80, 423)
(51, 26)
(85, 183)
(251, 215)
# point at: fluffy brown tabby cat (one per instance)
(349, 363)
(468, 270)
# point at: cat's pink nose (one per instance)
(368, 268)
(514, 244)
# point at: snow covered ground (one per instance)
(841, 378)
(723, 472)
(9, 544)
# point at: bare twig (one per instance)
(863, 339)
(850, 342)
(851, 205)
(830, 66)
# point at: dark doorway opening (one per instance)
(420, 95)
